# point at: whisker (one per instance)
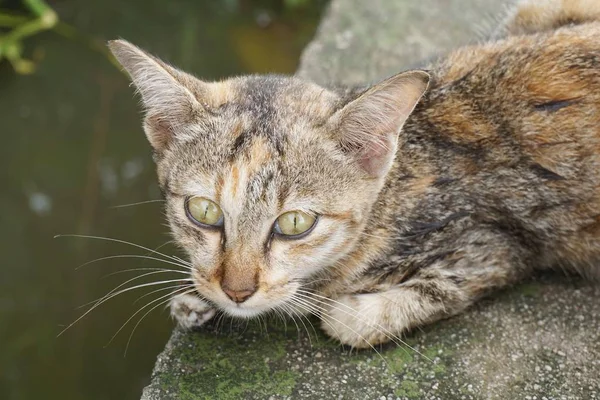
(144, 316)
(282, 317)
(175, 271)
(231, 324)
(353, 315)
(290, 313)
(177, 258)
(138, 203)
(312, 327)
(306, 329)
(247, 321)
(114, 295)
(160, 290)
(310, 307)
(118, 241)
(262, 321)
(218, 325)
(132, 256)
(307, 295)
(125, 283)
(185, 289)
(165, 243)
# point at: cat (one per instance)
(383, 208)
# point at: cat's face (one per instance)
(261, 155)
(269, 181)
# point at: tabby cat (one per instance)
(383, 208)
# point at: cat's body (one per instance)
(495, 173)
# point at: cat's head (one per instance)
(268, 180)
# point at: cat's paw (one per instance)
(190, 312)
(355, 321)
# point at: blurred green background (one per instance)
(72, 149)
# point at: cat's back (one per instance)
(538, 87)
(529, 99)
(515, 126)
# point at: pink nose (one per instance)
(239, 296)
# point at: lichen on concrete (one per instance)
(539, 340)
(224, 366)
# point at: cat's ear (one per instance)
(170, 97)
(369, 125)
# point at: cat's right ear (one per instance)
(368, 126)
(170, 97)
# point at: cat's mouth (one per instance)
(263, 300)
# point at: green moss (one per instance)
(284, 382)
(398, 358)
(439, 368)
(431, 352)
(231, 367)
(408, 389)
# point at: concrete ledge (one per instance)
(540, 340)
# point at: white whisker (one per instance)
(144, 316)
(133, 256)
(177, 258)
(138, 203)
(175, 271)
(170, 295)
(160, 290)
(312, 327)
(119, 241)
(306, 329)
(310, 307)
(282, 317)
(107, 295)
(99, 303)
(292, 314)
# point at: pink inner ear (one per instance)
(376, 157)
(158, 132)
(371, 123)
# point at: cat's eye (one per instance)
(204, 212)
(294, 224)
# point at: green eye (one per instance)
(294, 224)
(204, 212)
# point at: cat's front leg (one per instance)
(440, 290)
(190, 311)
(367, 319)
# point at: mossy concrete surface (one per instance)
(539, 340)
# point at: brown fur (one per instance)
(495, 174)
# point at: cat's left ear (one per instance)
(170, 96)
(369, 125)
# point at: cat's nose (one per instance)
(239, 296)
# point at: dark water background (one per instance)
(72, 149)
